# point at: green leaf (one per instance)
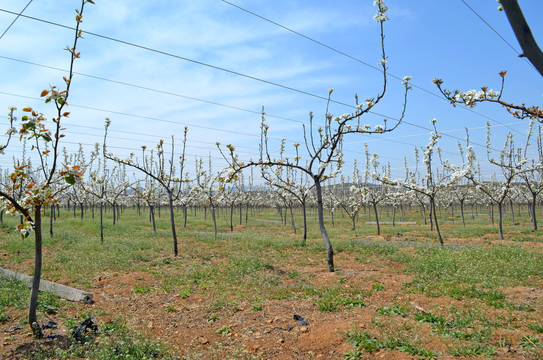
(70, 179)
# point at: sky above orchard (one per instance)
(154, 67)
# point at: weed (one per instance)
(212, 318)
(393, 310)
(225, 330)
(538, 328)
(334, 302)
(474, 350)
(362, 340)
(141, 289)
(293, 275)
(327, 305)
(530, 342)
(4, 317)
(431, 318)
(49, 303)
(185, 293)
(359, 339)
(353, 354)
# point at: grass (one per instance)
(265, 263)
(112, 341)
(396, 309)
(364, 341)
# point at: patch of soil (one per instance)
(183, 322)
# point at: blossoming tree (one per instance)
(324, 144)
(50, 177)
(163, 172)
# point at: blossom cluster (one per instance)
(469, 98)
(380, 16)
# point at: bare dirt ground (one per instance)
(272, 333)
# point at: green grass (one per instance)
(112, 341)
(361, 340)
(15, 294)
(264, 262)
(397, 309)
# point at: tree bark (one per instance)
(172, 224)
(322, 227)
(101, 223)
(214, 219)
(305, 222)
(500, 219)
(462, 212)
(292, 224)
(32, 317)
(433, 207)
(376, 217)
(523, 34)
(51, 215)
(534, 200)
(152, 217)
(232, 217)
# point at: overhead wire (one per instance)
(207, 127)
(153, 90)
(497, 33)
(161, 52)
(388, 139)
(414, 85)
(14, 20)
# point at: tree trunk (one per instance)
(232, 217)
(322, 227)
(51, 215)
(433, 206)
(423, 208)
(214, 219)
(32, 317)
(492, 213)
(462, 212)
(431, 216)
(534, 200)
(305, 222)
(512, 211)
(101, 223)
(246, 213)
(376, 217)
(172, 223)
(500, 219)
(292, 224)
(114, 214)
(152, 217)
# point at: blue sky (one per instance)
(151, 96)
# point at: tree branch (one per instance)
(523, 34)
